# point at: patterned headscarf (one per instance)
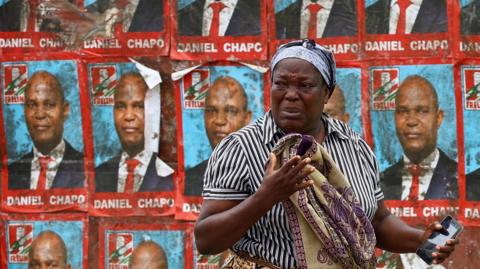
(315, 54)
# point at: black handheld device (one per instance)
(451, 228)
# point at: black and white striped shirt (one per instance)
(236, 169)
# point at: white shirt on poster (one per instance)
(412, 12)
(225, 15)
(322, 17)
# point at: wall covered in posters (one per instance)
(110, 111)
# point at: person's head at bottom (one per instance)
(417, 117)
(129, 112)
(226, 109)
(148, 255)
(48, 251)
(303, 78)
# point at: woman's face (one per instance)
(297, 97)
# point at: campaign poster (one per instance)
(470, 85)
(130, 178)
(345, 103)
(26, 26)
(469, 27)
(413, 117)
(140, 245)
(219, 30)
(418, 29)
(333, 24)
(133, 27)
(45, 167)
(213, 101)
(32, 241)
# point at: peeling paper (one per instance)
(152, 106)
(180, 74)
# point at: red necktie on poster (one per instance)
(216, 7)
(314, 8)
(130, 183)
(32, 16)
(42, 177)
(415, 170)
(402, 15)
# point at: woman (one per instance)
(243, 193)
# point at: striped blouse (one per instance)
(236, 169)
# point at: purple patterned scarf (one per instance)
(328, 225)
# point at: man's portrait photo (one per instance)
(132, 15)
(47, 243)
(421, 164)
(399, 17)
(148, 254)
(214, 18)
(44, 139)
(345, 102)
(296, 19)
(470, 17)
(471, 100)
(131, 167)
(14, 15)
(232, 99)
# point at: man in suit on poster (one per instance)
(425, 171)
(48, 250)
(226, 111)
(135, 169)
(335, 107)
(470, 18)
(53, 163)
(333, 18)
(14, 16)
(148, 255)
(219, 18)
(406, 17)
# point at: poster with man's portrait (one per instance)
(414, 131)
(42, 119)
(219, 30)
(215, 100)
(333, 24)
(470, 86)
(137, 246)
(414, 28)
(129, 177)
(39, 241)
(133, 27)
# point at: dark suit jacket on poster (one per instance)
(473, 185)
(442, 186)
(10, 16)
(148, 17)
(431, 18)
(194, 179)
(470, 18)
(245, 19)
(106, 177)
(342, 20)
(70, 173)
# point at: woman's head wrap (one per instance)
(315, 54)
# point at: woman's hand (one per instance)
(443, 252)
(279, 184)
